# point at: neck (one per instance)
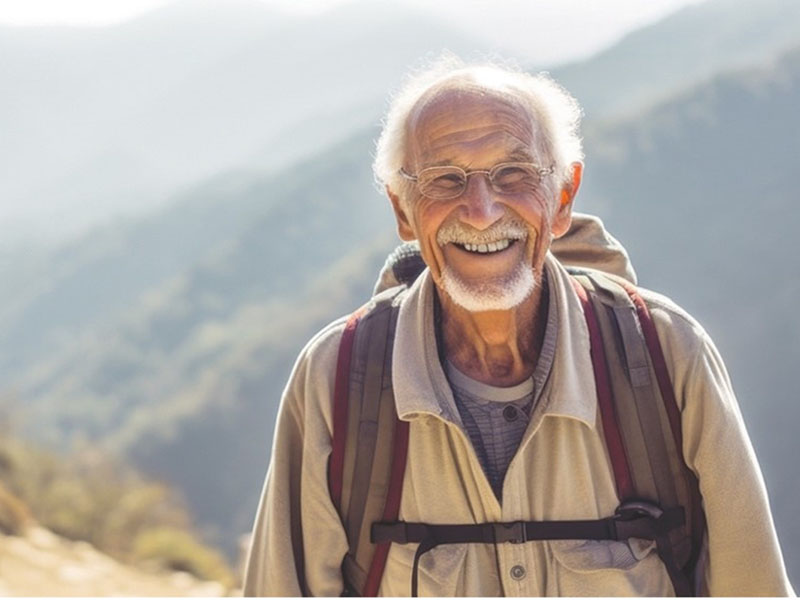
(495, 347)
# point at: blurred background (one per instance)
(186, 197)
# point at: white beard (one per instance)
(493, 293)
(501, 293)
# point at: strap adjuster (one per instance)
(632, 510)
(514, 533)
(645, 520)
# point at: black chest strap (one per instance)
(632, 520)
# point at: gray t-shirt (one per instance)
(495, 418)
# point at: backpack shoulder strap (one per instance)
(370, 443)
(645, 414)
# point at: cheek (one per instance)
(429, 217)
(537, 210)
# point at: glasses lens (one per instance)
(514, 178)
(442, 182)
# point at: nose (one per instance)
(479, 207)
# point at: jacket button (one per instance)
(517, 572)
(510, 413)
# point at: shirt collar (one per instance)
(421, 387)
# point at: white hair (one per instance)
(554, 112)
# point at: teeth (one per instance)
(490, 247)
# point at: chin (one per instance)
(491, 294)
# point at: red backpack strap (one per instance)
(340, 408)
(659, 362)
(392, 508)
(370, 443)
(608, 412)
(672, 409)
(647, 416)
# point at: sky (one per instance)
(103, 12)
(573, 29)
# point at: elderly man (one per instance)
(493, 382)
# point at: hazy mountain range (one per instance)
(135, 111)
(170, 337)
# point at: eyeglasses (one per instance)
(447, 182)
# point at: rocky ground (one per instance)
(39, 563)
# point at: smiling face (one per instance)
(485, 249)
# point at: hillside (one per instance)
(192, 107)
(83, 523)
(245, 275)
(41, 563)
(205, 355)
(653, 63)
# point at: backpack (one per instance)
(660, 498)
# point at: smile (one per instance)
(489, 248)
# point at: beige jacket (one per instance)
(561, 471)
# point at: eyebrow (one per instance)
(521, 154)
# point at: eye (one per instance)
(447, 181)
(442, 182)
(514, 178)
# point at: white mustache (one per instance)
(507, 228)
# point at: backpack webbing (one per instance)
(697, 517)
(369, 445)
(605, 399)
(652, 453)
(641, 425)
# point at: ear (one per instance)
(563, 216)
(404, 228)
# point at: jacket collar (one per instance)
(421, 387)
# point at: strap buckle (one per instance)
(514, 533)
(632, 510)
(646, 520)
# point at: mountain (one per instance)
(128, 114)
(655, 62)
(66, 89)
(198, 113)
(211, 347)
(106, 121)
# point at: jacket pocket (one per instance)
(591, 555)
(441, 570)
(607, 568)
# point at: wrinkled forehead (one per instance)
(469, 115)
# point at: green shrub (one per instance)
(179, 550)
(14, 515)
(66, 507)
(88, 495)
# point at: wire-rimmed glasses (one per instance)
(449, 181)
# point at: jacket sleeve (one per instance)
(298, 541)
(743, 553)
